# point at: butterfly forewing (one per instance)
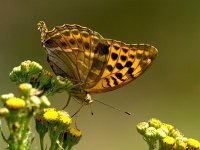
(72, 53)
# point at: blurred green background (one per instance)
(169, 90)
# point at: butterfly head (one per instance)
(82, 96)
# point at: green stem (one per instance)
(54, 137)
(70, 147)
(42, 142)
(25, 128)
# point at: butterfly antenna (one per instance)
(91, 110)
(76, 122)
(77, 111)
(115, 108)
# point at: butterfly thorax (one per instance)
(81, 96)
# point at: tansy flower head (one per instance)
(41, 125)
(154, 123)
(25, 89)
(64, 118)
(15, 103)
(141, 127)
(168, 142)
(71, 137)
(181, 143)
(44, 79)
(167, 126)
(74, 132)
(151, 132)
(161, 134)
(175, 133)
(4, 112)
(193, 144)
(5, 97)
(50, 115)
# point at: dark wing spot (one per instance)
(105, 49)
(119, 66)
(67, 33)
(79, 40)
(72, 41)
(107, 81)
(128, 64)
(86, 45)
(130, 70)
(139, 56)
(85, 34)
(110, 68)
(63, 43)
(49, 41)
(116, 47)
(124, 50)
(115, 80)
(75, 32)
(118, 75)
(145, 57)
(123, 58)
(102, 49)
(131, 56)
(114, 56)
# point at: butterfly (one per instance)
(93, 63)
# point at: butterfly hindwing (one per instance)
(125, 63)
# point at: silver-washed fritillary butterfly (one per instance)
(93, 63)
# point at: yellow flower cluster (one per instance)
(50, 114)
(168, 136)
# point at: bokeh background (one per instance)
(169, 90)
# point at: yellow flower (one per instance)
(4, 112)
(141, 127)
(64, 117)
(181, 143)
(167, 126)
(50, 115)
(75, 132)
(169, 141)
(151, 132)
(25, 88)
(193, 144)
(71, 137)
(154, 123)
(15, 103)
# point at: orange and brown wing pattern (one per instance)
(125, 63)
(94, 63)
(71, 51)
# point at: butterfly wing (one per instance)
(71, 51)
(125, 63)
(94, 63)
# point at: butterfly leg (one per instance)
(77, 111)
(67, 102)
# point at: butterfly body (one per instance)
(93, 63)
